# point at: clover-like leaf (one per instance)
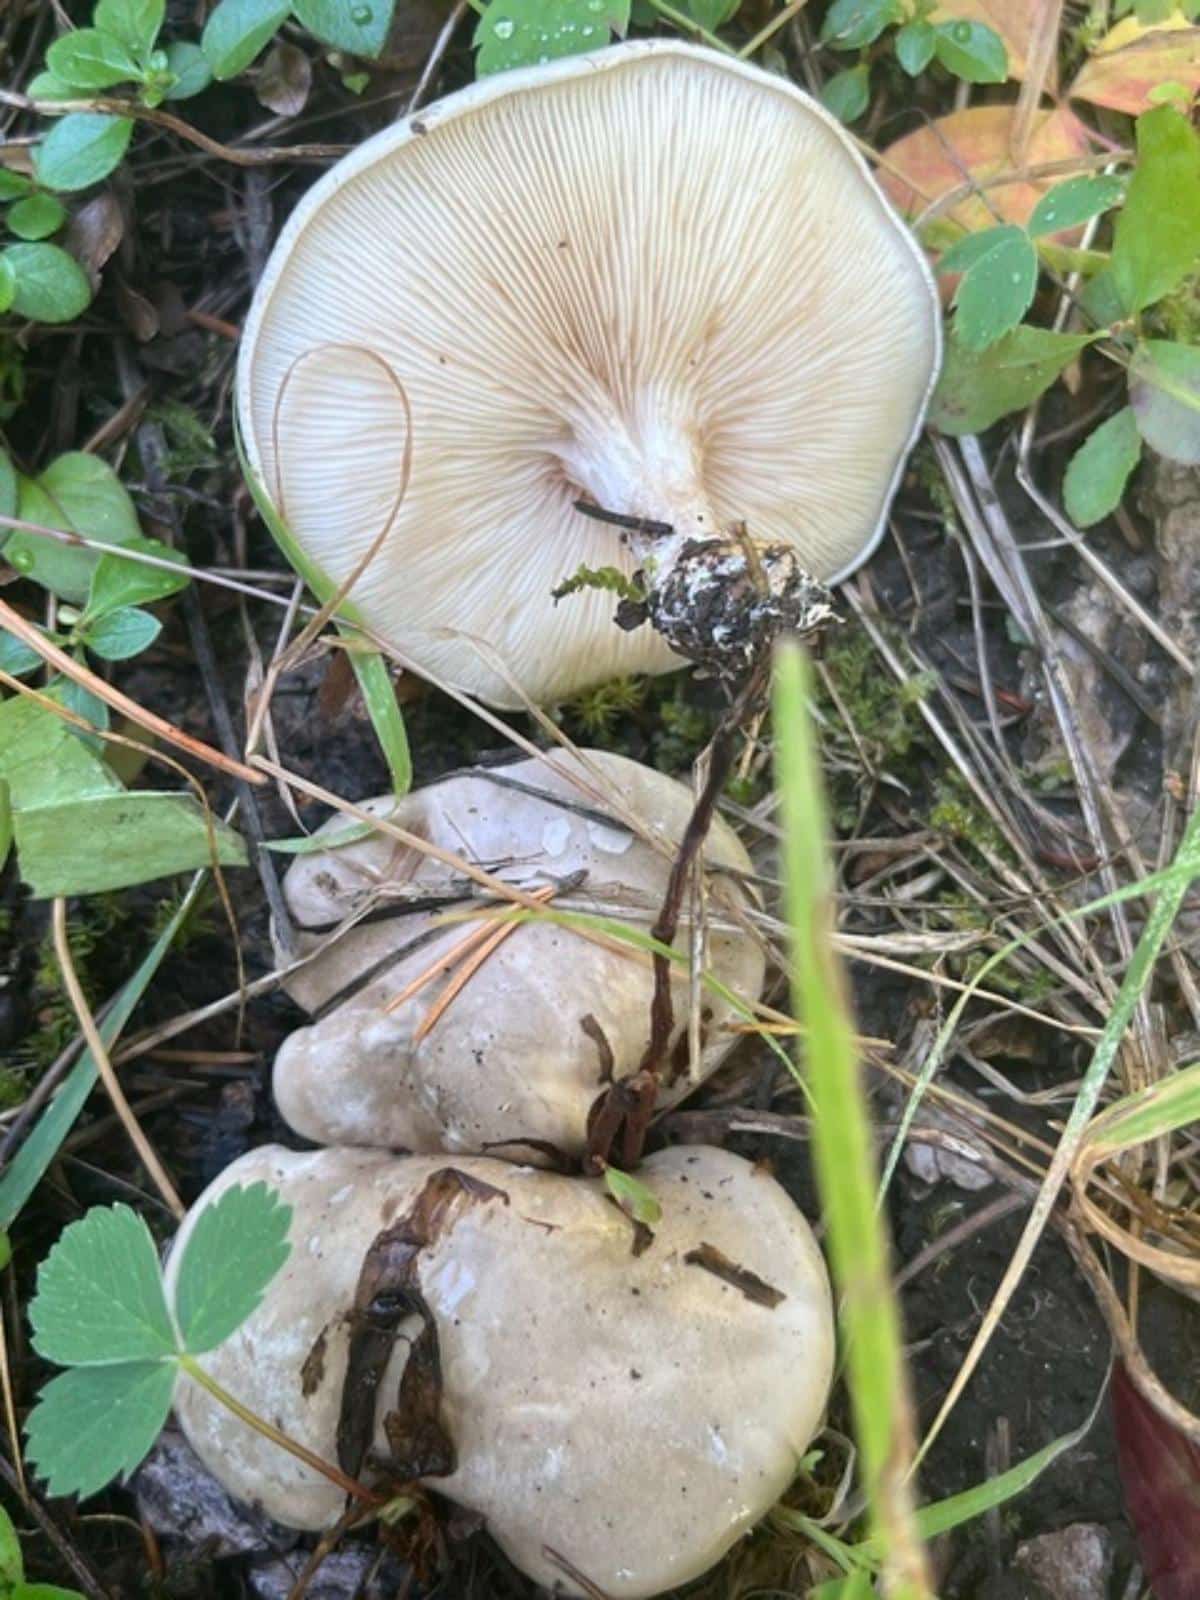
(234, 1250)
(1076, 201)
(997, 286)
(93, 1424)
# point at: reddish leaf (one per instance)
(1160, 1474)
(1131, 62)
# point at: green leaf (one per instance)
(1076, 201)
(1100, 468)
(51, 286)
(43, 762)
(81, 148)
(47, 86)
(78, 493)
(359, 27)
(16, 657)
(122, 633)
(518, 33)
(847, 94)
(235, 1249)
(93, 1424)
(100, 1298)
(856, 1585)
(978, 387)
(237, 31)
(914, 45)
(851, 24)
(710, 14)
(111, 841)
(134, 22)
(6, 826)
(8, 287)
(633, 1197)
(997, 289)
(45, 1591)
(78, 698)
(29, 1164)
(8, 491)
(1164, 387)
(1157, 236)
(36, 217)
(965, 252)
(91, 59)
(117, 582)
(12, 1564)
(191, 69)
(311, 844)
(13, 184)
(971, 51)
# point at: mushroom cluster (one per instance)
(425, 1040)
(638, 322)
(654, 281)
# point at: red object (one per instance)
(1160, 1475)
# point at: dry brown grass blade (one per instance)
(12, 622)
(1043, 48)
(470, 967)
(87, 1026)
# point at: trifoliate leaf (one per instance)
(234, 1250)
(100, 1297)
(634, 1199)
(1074, 202)
(1164, 386)
(997, 289)
(80, 149)
(962, 255)
(1100, 469)
(93, 1424)
(50, 285)
(1157, 237)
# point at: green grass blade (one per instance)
(31, 1161)
(842, 1146)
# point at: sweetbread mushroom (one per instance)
(654, 279)
(633, 1413)
(522, 1051)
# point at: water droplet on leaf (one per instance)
(22, 560)
(961, 33)
(362, 15)
(504, 28)
(587, 30)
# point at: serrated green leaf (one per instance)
(971, 51)
(1156, 241)
(1100, 468)
(12, 1564)
(122, 633)
(82, 148)
(78, 493)
(359, 27)
(36, 217)
(965, 252)
(112, 841)
(238, 30)
(1074, 202)
(915, 43)
(93, 1424)
(13, 184)
(851, 24)
(190, 67)
(234, 1250)
(978, 387)
(117, 582)
(1164, 387)
(518, 33)
(996, 290)
(633, 1197)
(50, 285)
(847, 94)
(89, 59)
(135, 22)
(100, 1298)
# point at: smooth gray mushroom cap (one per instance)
(635, 1414)
(654, 277)
(516, 1055)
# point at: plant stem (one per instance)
(350, 1486)
(688, 24)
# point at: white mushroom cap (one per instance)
(655, 277)
(634, 1414)
(514, 1055)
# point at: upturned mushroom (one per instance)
(515, 1032)
(654, 281)
(618, 1420)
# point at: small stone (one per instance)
(1072, 1563)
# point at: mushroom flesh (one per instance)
(516, 1056)
(615, 1418)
